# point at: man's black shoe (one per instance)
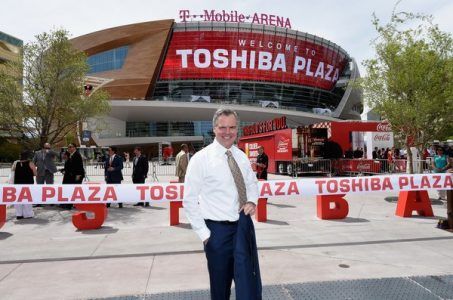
(138, 204)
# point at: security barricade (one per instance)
(348, 167)
(97, 169)
(5, 169)
(311, 166)
(161, 168)
(92, 169)
(355, 167)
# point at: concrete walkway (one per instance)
(137, 253)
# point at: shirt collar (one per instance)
(220, 150)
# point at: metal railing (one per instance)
(354, 167)
(156, 168)
(350, 167)
(310, 166)
(5, 169)
(160, 167)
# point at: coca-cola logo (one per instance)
(282, 145)
(382, 137)
(363, 167)
(383, 127)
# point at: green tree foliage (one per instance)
(9, 151)
(47, 102)
(410, 80)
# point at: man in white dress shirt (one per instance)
(221, 192)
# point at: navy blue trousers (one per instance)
(232, 254)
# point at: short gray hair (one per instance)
(224, 112)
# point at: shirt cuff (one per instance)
(204, 233)
(254, 202)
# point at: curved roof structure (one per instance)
(162, 71)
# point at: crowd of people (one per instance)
(42, 165)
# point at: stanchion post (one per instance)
(174, 210)
(261, 209)
(2, 215)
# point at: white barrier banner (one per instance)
(157, 192)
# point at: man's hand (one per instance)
(249, 208)
(78, 177)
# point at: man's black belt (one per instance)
(222, 222)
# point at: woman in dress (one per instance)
(24, 172)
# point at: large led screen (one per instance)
(240, 55)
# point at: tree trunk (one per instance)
(42, 140)
(409, 159)
(420, 160)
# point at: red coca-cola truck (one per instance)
(284, 145)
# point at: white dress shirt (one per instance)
(209, 188)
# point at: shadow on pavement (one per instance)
(275, 222)
(281, 205)
(184, 226)
(430, 218)
(395, 200)
(5, 235)
(35, 220)
(156, 207)
(351, 220)
(102, 230)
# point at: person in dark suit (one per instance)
(375, 153)
(349, 154)
(262, 162)
(139, 169)
(113, 166)
(73, 169)
(44, 161)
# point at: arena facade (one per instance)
(166, 79)
(10, 47)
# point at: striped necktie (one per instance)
(238, 179)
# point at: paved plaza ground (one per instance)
(372, 254)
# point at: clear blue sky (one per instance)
(346, 22)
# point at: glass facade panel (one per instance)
(163, 129)
(11, 40)
(108, 60)
(249, 93)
